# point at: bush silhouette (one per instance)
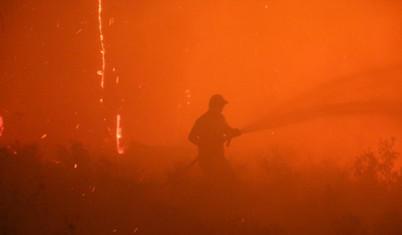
(372, 168)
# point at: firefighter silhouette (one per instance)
(209, 133)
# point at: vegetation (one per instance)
(78, 192)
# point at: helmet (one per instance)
(217, 100)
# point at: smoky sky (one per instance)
(171, 56)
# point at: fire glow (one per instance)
(1, 126)
(119, 148)
(101, 72)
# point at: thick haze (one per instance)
(171, 56)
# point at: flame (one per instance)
(1, 126)
(119, 135)
(101, 72)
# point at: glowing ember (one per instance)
(188, 96)
(55, 161)
(111, 21)
(92, 188)
(75, 166)
(119, 148)
(1, 126)
(43, 136)
(101, 72)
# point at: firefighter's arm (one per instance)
(231, 132)
(235, 132)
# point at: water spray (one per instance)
(296, 116)
(319, 101)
